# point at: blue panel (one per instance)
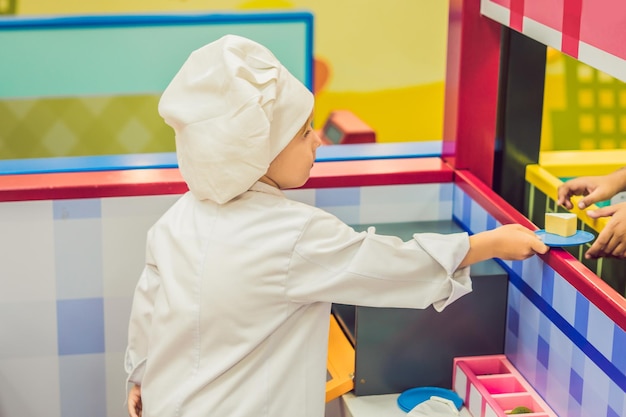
(467, 211)
(576, 387)
(168, 159)
(513, 323)
(518, 267)
(77, 209)
(446, 192)
(616, 399)
(609, 368)
(619, 345)
(543, 352)
(80, 325)
(545, 328)
(325, 197)
(547, 283)
(541, 378)
(612, 413)
(104, 55)
(582, 314)
(599, 328)
(78, 257)
(88, 163)
(364, 151)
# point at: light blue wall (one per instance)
(111, 55)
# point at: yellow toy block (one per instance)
(562, 224)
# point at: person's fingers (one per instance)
(564, 196)
(602, 212)
(596, 192)
(588, 200)
(132, 412)
(533, 243)
(597, 249)
(134, 402)
(566, 203)
(611, 246)
(538, 246)
(619, 251)
(135, 409)
(593, 252)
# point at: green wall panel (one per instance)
(90, 85)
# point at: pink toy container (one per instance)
(492, 387)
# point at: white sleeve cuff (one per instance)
(448, 250)
(461, 284)
(135, 371)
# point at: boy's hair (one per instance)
(233, 107)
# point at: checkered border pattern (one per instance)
(586, 32)
(566, 348)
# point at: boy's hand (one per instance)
(511, 242)
(134, 401)
(515, 242)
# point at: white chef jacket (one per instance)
(230, 315)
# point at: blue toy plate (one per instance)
(551, 239)
(410, 398)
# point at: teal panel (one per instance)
(122, 55)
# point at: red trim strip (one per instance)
(58, 186)
(379, 172)
(516, 18)
(124, 183)
(572, 11)
(493, 203)
(583, 279)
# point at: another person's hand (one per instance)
(593, 188)
(134, 401)
(611, 241)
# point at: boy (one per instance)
(230, 315)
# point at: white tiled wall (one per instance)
(68, 271)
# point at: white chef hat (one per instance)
(233, 107)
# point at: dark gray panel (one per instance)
(398, 349)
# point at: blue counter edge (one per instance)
(329, 153)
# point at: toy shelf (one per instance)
(492, 387)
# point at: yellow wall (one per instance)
(385, 61)
(584, 108)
